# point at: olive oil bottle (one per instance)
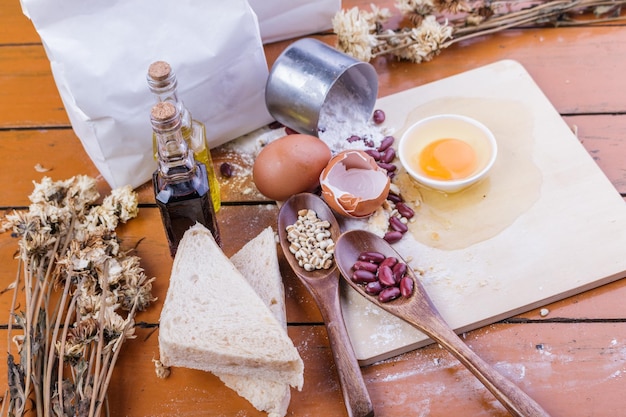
(163, 84)
(181, 188)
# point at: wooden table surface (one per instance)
(572, 361)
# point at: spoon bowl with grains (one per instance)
(307, 231)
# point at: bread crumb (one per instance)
(544, 312)
(161, 371)
(41, 168)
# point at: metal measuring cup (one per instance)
(307, 75)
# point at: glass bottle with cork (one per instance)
(163, 83)
(181, 188)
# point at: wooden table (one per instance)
(571, 361)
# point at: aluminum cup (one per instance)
(306, 74)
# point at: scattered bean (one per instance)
(385, 143)
(354, 138)
(387, 167)
(405, 210)
(388, 155)
(275, 125)
(393, 236)
(374, 154)
(397, 225)
(378, 116)
(226, 170)
(394, 198)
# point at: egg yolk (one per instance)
(447, 159)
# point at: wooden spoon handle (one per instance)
(516, 401)
(353, 387)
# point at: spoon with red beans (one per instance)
(367, 264)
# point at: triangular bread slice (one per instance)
(257, 261)
(213, 320)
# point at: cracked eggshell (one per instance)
(290, 165)
(353, 184)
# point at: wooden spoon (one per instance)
(323, 284)
(419, 311)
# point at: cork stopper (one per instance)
(164, 116)
(159, 70)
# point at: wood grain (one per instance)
(571, 360)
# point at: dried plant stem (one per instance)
(116, 350)
(51, 353)
(94, 394)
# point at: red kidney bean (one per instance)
(385, 276)
(388, 155)
(226, 170)
(399, 270)
(373, 153)
(406, 286)
(378, 116)
(389, 261)
(372, 256)
(367, 266)
(397, 225)
(361, 276)
(386, 143)
(393, 236)
(387, 167)
(369, 143)
(389, 294)
(394, 198)
(405, 210)
(353, 138)
(373, 288)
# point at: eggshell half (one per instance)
(290, 165)
(353, 184)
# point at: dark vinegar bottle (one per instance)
(181, 189)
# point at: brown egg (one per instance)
(353, 184)
(290, 165)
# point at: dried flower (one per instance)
(69, 244)
(437, 24)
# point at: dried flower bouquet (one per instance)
(436, 24)
(81, 293)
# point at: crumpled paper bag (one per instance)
(100, 51)
(284, 19)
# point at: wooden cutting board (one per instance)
(545, 225)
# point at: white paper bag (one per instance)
(100, 52)
(284, 19)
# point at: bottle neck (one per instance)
(175, 160)
(166, 90)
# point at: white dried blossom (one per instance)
(123, 203)
(354, 29)
(420, 7)
(427, 41)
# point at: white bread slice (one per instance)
(213, 320)
(258, 263)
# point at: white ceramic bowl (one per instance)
(443, 126)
